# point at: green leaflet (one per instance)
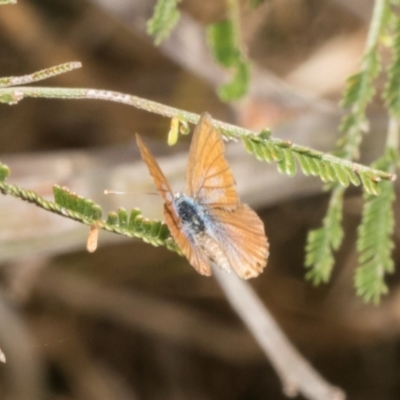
(164, 19)
(303, 164)
(313, 165)
(122, 217)
(369, 185)
(287, 165)
(341, 175)
(4, 172)
(112, 218)
(359, 89)
(354, 179)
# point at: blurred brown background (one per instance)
(136, 322)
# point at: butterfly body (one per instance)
(208, 222)
(201, 229)
(193, 215)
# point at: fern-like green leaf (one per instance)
(165, 17)
(135, 225)
(374, 242)
(322, 242)
(359, 88)
(73, 206)
(77, 204)
(311, 163)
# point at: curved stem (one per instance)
(13, 95)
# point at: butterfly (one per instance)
(208, 222)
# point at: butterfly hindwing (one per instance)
(242, 239)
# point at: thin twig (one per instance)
(39, 75)
(297, 375)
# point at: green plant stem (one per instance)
(14, 95)
(234, 13)
(392, 139)
(377, 20)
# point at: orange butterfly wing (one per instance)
(242, 236)
(196, 258)
(155, 171)
(209, 179)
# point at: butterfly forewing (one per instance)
(155, 171)
(196, 258)
(209, 179)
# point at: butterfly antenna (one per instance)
(135, 192)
